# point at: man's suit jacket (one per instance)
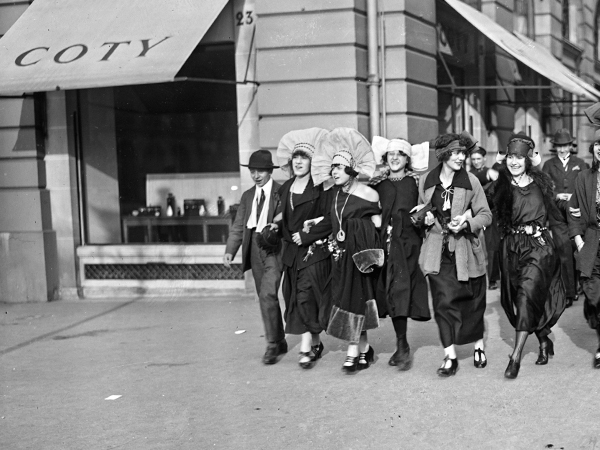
(239, 234)
(564, 180)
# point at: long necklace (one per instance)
(341, 236)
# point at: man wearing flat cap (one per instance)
(563, 169)
(257, 209)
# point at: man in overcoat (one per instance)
(258, 207)
(563, 169)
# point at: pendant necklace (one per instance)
(341, 236)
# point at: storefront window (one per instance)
(160, 162)
(569, 20)
(524, 18)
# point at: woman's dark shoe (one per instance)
(351, 364)
(512, 370)
(597, 359)
(445, 371)
(480, 362)
(317, 351)
(365, 359)
(546, 350)
(308, 359)
(401, 357)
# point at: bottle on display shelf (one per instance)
(220, 206)
(170, 205)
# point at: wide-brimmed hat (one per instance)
(260, 159)
(593, 114)
(563, 137)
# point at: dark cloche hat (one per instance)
(260, 159)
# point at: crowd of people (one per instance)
(352, 253)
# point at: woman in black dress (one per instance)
(354, 242)
(532, 292)
(306, 267)
(401, 288)
(584, 227)
(452, 256)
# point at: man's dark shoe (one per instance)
(493, 286)
(273, 351)
(569, 302)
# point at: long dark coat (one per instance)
(313, 203)
(586, 226)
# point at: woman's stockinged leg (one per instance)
(450, 364)
(546, 347)
(305, 346)
(479, 358)
(401, 357)
(514, 364)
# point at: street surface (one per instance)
(186, 380)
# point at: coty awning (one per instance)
(76, 44)
(529, 52)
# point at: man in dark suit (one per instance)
(563, 169)
(486, 176)
(257, 209)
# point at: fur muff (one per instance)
(367, 260)
(501, 195)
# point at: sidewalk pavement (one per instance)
(187, 380)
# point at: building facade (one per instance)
(83, 167)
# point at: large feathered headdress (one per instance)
(298, 141)
(344, 146)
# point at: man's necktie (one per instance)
(261, 203)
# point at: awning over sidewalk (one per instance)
(75, 44)
(530, 53)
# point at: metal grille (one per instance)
(160, 271)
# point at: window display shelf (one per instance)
(184, 229)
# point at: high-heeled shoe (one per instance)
(545, 352)
(401, 357)
(350, 364)
(596, 364)
(365, 359)
(314, 354)
(512, 370)
(448, 371)
(482, 359)
(317, 350)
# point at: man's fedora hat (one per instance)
(260, 159)
(563, 137)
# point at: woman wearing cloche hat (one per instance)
(532, 291)
(452, 256)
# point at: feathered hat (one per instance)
(344, 146)
(298, 141)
